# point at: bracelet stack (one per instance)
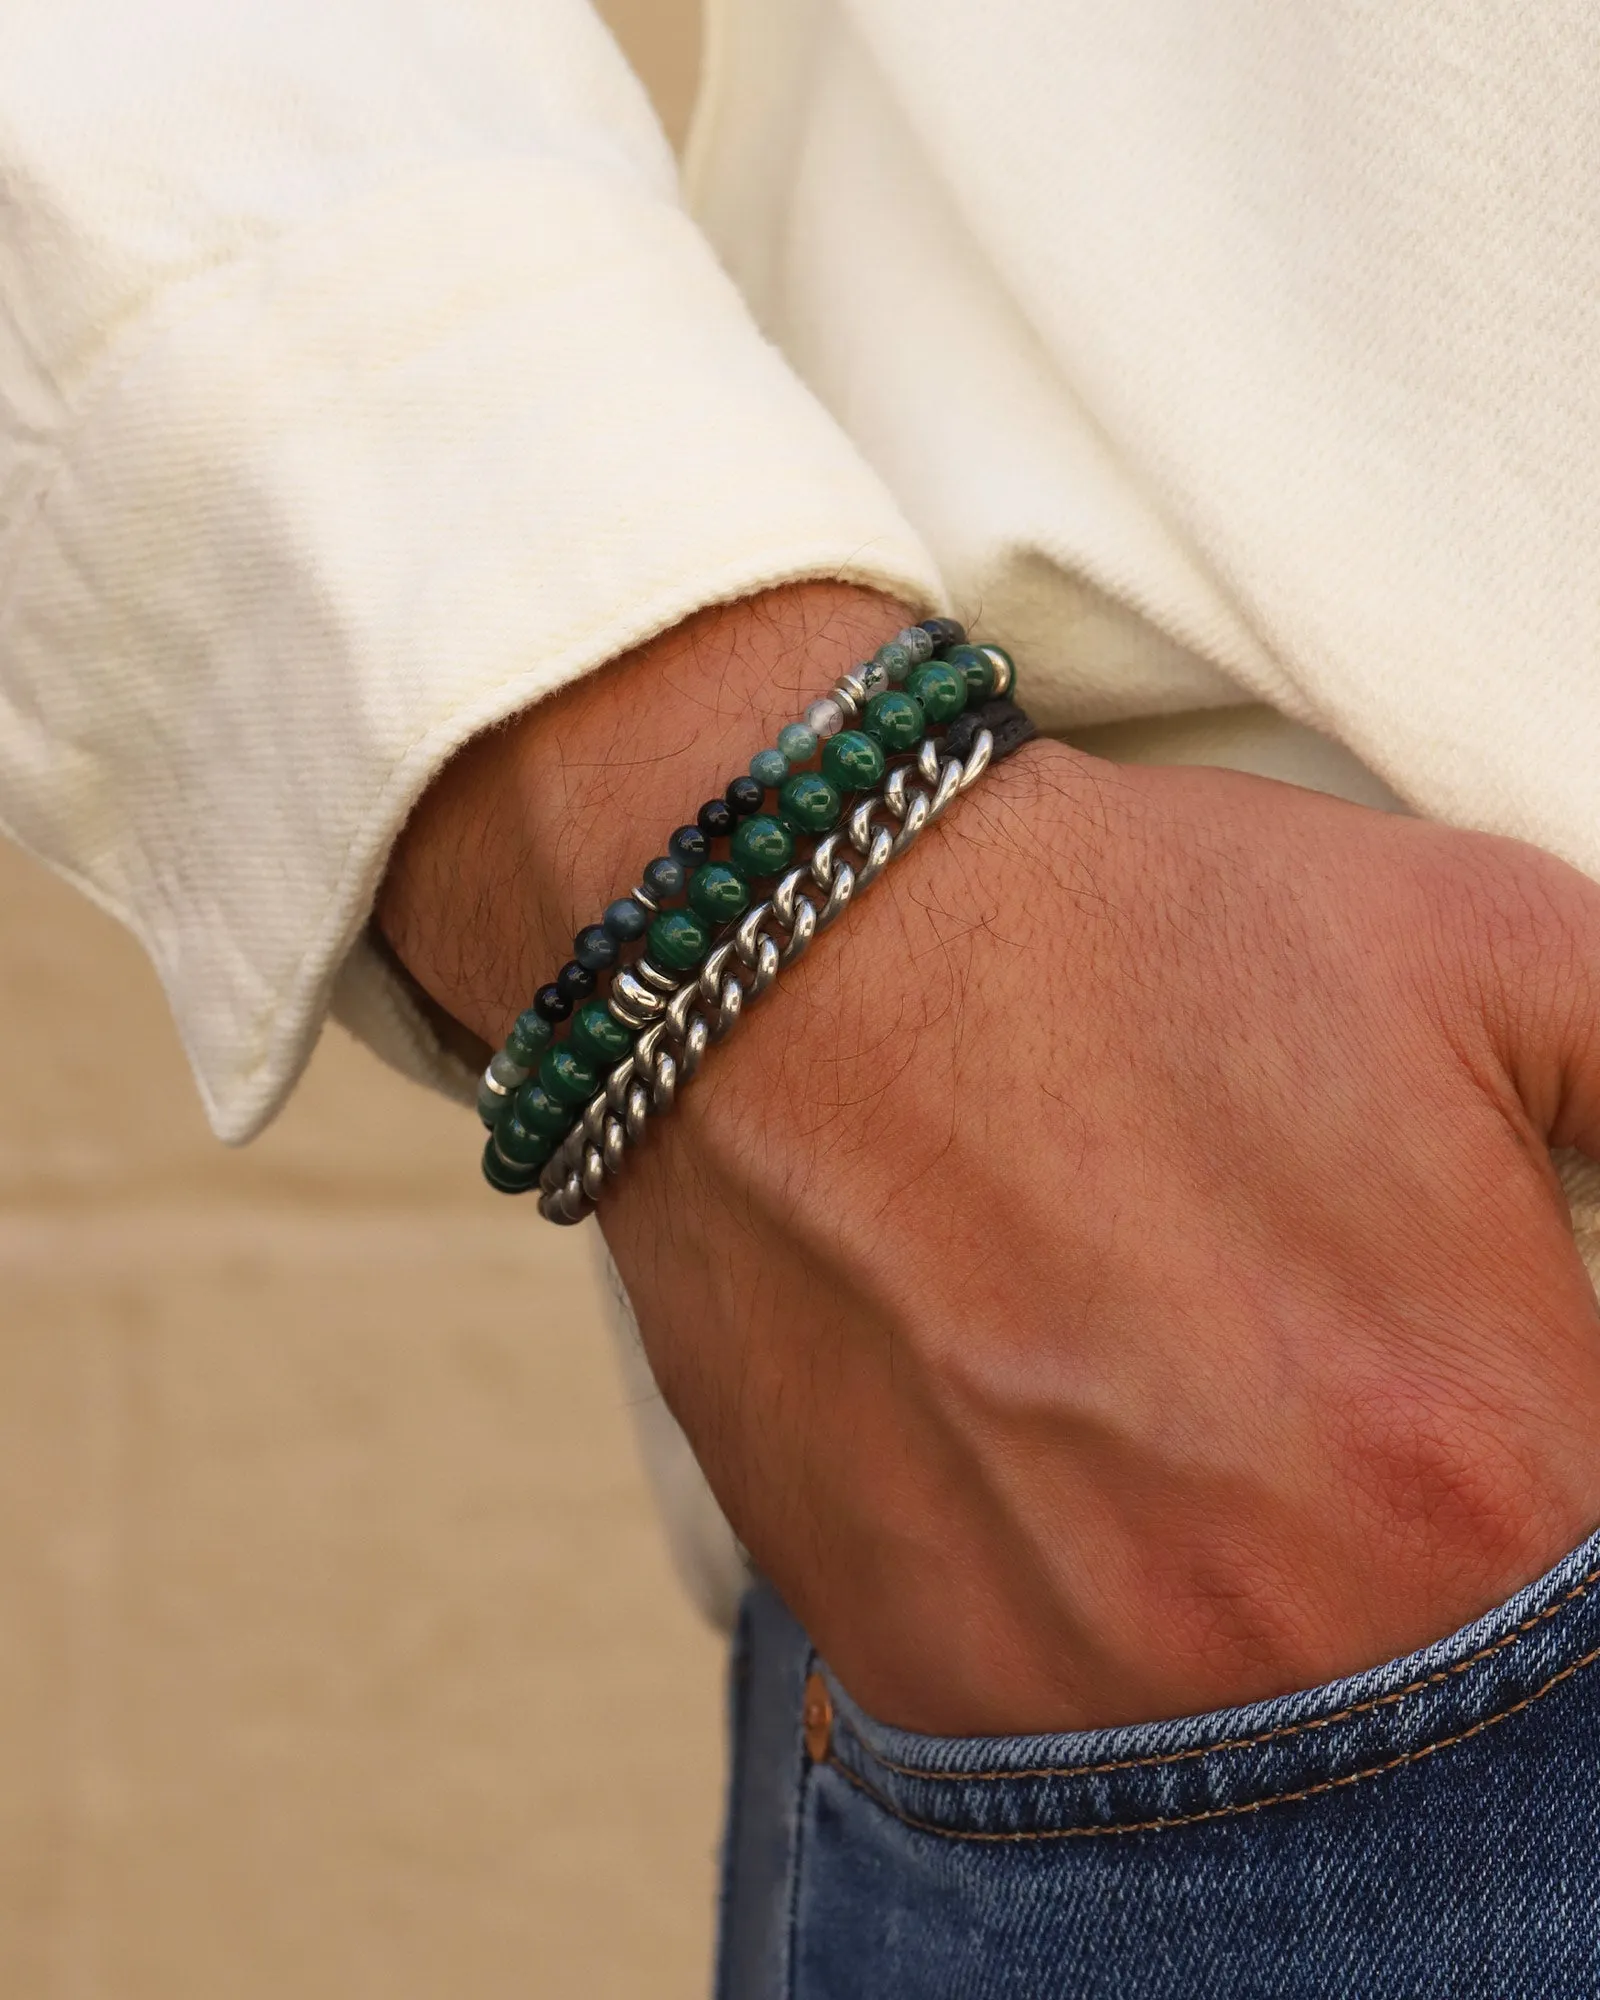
(695, 941)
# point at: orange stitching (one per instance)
(991, 1776)
(1222, 1812)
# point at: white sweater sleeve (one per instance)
(361, 381)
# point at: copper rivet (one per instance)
(818, 1716)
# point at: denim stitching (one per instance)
(1220, 1812)
(797, 1852)
(1350, 1714)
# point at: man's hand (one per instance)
(1119, 1270)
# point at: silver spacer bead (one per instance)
(638, 998)
(846, 695)
(652, 975)
(1005, 674)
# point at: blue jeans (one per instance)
(1431, 1827)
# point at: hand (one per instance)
(1119, 1271)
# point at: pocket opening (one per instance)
(1156, 1777)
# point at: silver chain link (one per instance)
(678, 1022)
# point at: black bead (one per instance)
(552, 1003)
(690, 845)
(574, 982)
(944, 632)
(595, 947)
(714, 818)
(745, 796)
(665, 877)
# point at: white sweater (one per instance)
(362, 379)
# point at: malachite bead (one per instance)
(504, 1179)
(941, 689)
(762, 846)
(896, 720)
(895, 660)
(542, 1113)
(528, 1039)
(518, 1145)
(811, 802)
(718, 892)
(599, 1035)
(797, 743)
(976, 669)
(626, 920)
(852, 761)
(769, 768)
(566, 1075)
(680, 939)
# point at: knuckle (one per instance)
(1517, 930)
(1539, 914)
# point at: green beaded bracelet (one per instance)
(535, 1086)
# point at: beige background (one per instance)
(339, 1655)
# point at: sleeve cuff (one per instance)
(349, 503)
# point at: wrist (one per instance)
(533, 827)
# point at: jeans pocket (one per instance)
(1163, 1777)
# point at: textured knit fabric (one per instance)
(1221, 348)
(362, 379)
